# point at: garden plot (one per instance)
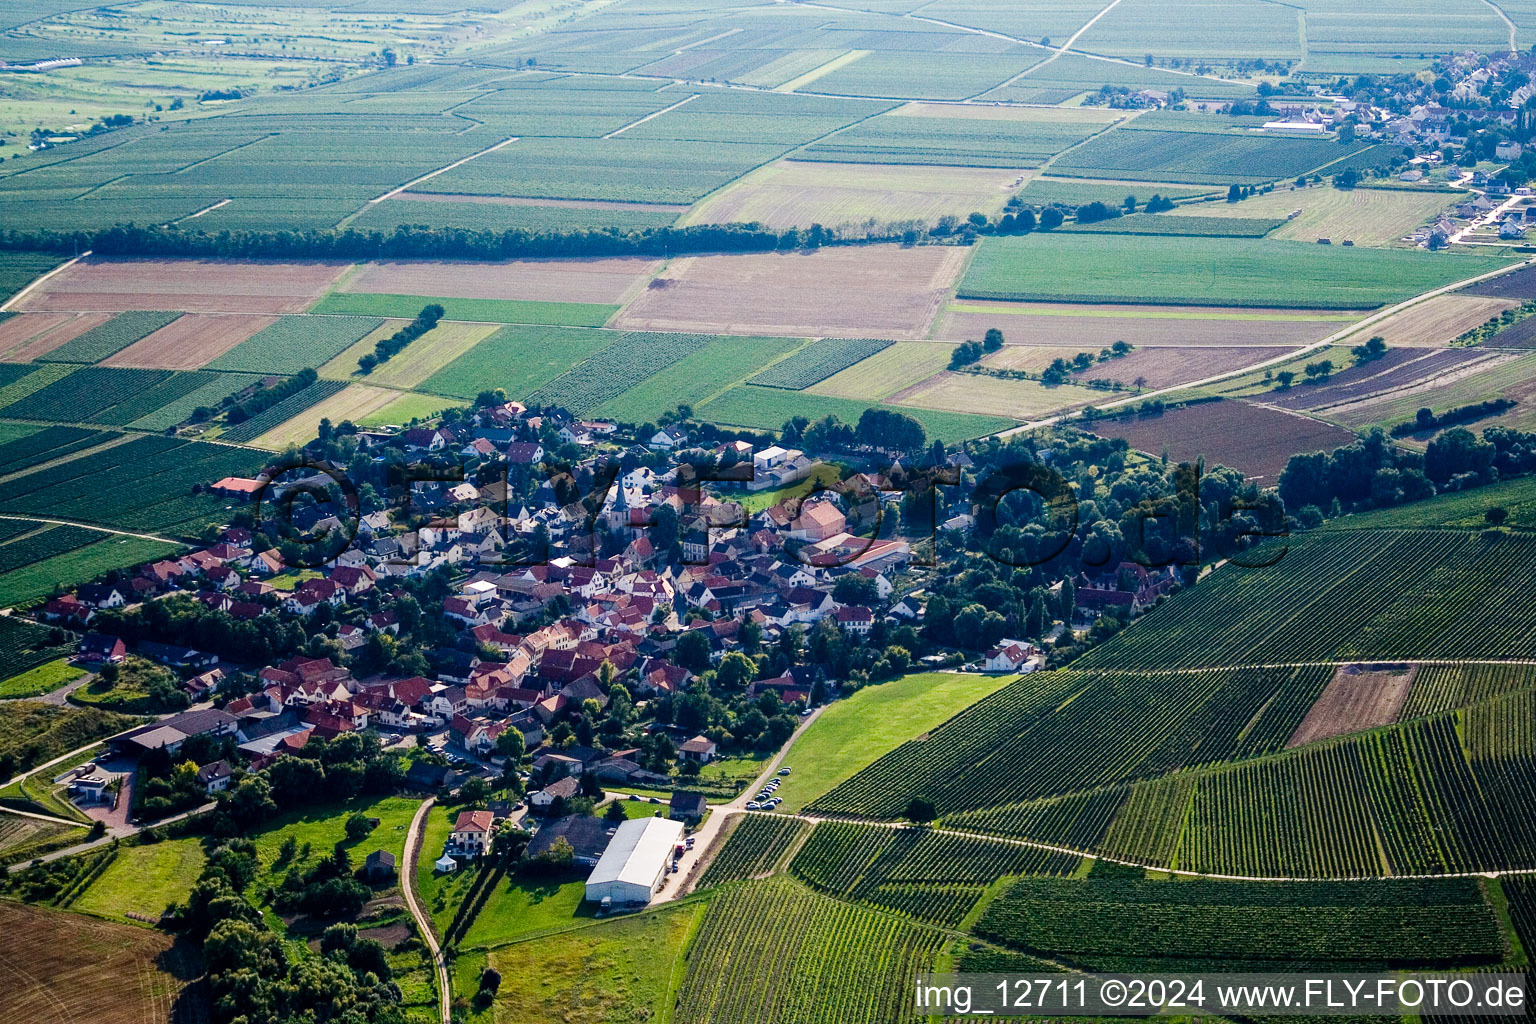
(872, 291)
(194, 286)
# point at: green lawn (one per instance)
(144, 879)
(486, 311)
(322, 828)
(825, 475)
(522, 907)
(44, 678)
(1082, 267)
(851, 734)
(440, 895)
(623, 971)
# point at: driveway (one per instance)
(706, 837)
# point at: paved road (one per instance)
(423, 922)
(693, 863)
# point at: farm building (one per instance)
(635, 862)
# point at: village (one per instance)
(619, 665)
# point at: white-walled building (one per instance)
(635, 862)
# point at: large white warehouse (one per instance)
(635, 861)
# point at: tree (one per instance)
(358, 826)
(1067, 602)
(1234, 193)
(1320, 370)
(855, 589)
(1496, 515)
(615, 812)
(736, 671)
(920, 810)
(475, 791)
(692, 651)
(1051, 218)
(1456, 452)
(992, 340)
(511, 744)
(1284, 379)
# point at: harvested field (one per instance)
(1521, 334)
(1434, 322)
(355, 403)
(798, 194)
(1359, 697)
(593, 280)
(28, 337)
(992, 396)
(190, 341)
(1399, 372)
(1166, 367)
(344, 365)
(421, 358)
(873, 291)
(886, 372)
(1095, 327)
(1033, 358)
(1365, 216)
(193, 286)
(1517, 284)
(1253, 439)
(59, 967)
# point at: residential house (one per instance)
(471, 835)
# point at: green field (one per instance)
(518, 908)
(19, 269)
(520, 360)
(294, 343)
(1082, 267)
(1462, 509)
(625, 971)
(118, 333)
(760, 408)
(855, 732)
(42, 679)
(144, 880)
(489, 311)
(79, 566)
(719, 365)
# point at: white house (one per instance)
(635, 862)
(1008, 656)
(471, 835)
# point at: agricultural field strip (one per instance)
(6, 306)
(1065, 48)
(1322, 343)
(441, 170)
(1182, 872)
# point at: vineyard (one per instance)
(1444, 687)
(142, 484)
(89, 393)
(932, 876)
(1396, 924)
(1061, 732)
(754, 847)
(613, 370)
(25, 645)
(50, 541)
(1359, 595)
(771, 951)
(294, 343)
(118, 333)
(250, 429)
(818, 361)
(48, 444)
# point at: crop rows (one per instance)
(1147, 828)
(144, 484)
(248, 430)
(172, 389)
(949, 141)
(1349, 595)
(48, 444)
(615, 369)
(1020, 744)
(771, 951)
(1202, 158)
(1441, 922)
(25, 645)
(52, 541)
(1443, 687)
(918, 871)
(85, 394)
(295, 343)
(1078, 821)
(753, 847)
(118, 333)
(818, 361)
(212, 389)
